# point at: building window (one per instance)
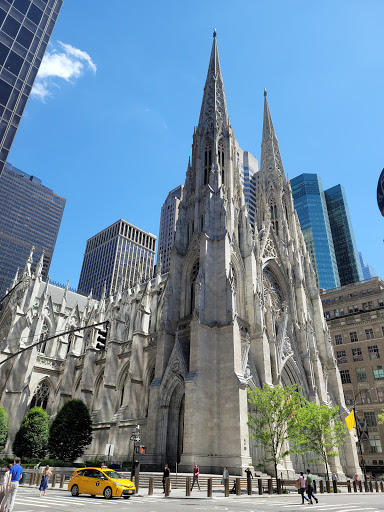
(370, 418)
(369, 334)
(345, 377)
(353, 336)
(382, 330)
(274, 220)
(40, 398)
(338, 339)
(365, 396)
(348, 396)
(380, 394)
(341, 356)
(361, 375)
(378, 372)
(375, 444)
(357, 354)
(207, 163)
(373, 351)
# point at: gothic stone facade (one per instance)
(237, 309)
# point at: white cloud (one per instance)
(64, 62)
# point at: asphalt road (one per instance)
(28, 500)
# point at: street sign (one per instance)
(109, 449)
(380, 193)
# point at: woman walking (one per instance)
(4, 488)
(302, 487)
(44, 480)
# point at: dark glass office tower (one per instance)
(347, 255)
(118, 257)
(30, 215)
(310, 204)
(25, 29)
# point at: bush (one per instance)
(3, 428)
(93, 463)
(71, 431)
(31, 439)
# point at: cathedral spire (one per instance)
(271, 163)
(213, 108)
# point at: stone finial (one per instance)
(265, 91)
(214, 32)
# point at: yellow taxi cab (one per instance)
(95, 481)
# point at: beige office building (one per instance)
(355, 317)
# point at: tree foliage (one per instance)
(3, 428)
(318, 430)
(381, 417)
(31, 440)
(273, 418)
(71, 431)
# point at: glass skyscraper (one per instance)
(367, 270)
(310, 204)
(25, 29)
(347, 255)
(248, 166)
(120, 255)
(30, 215)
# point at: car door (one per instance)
(100, 482)
(85, 482)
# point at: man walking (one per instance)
(310, 488)
(15, 474)
(195, 476)
(166, 474)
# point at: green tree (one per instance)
(381, 417)
(272, 418)
(71, 431)
(319, 431)
(31, 440)
(3, 428)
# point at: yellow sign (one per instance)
(350, 420)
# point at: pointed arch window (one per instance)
(222, 160)
(40, 398)
(43, 337)
(275, 223)
(194, 274)
(123, 387)
(207, 162)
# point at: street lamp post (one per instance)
(359, 435)
(135, 437)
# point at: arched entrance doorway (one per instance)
(175, 430)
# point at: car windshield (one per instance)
(114, 474)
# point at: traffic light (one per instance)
(102, 338)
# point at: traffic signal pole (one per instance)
(106, 323)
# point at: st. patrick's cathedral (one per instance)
(237, 309)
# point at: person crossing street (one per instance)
(196, 472)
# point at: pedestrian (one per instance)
(334, 477)
(103, 465)
(4, 487)
(196, 472)
(44, 480)
(15, 474)
(301, 487)
(356, 478)
(166, 474)
(249, 474)
(225, 475)
(310, 488)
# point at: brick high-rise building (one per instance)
(355, 317)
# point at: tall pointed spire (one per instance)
(271, 163)
(213, 108)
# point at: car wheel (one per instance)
(75, 490)
(126, 497)
(108, 493)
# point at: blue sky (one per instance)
(110, 126)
